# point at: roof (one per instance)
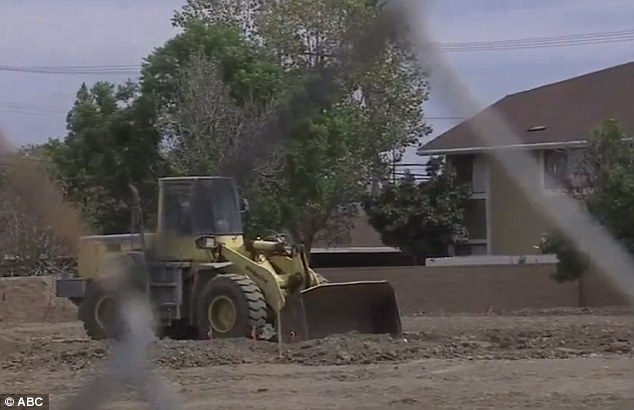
(362, 238)
(562, 113)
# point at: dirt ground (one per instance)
(553, 359)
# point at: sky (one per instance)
(39, 33)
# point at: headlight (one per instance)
(206, 242)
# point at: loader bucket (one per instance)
(367, 307)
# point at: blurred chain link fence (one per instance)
(130, 362)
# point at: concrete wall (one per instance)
(440, 289)
(478, 289)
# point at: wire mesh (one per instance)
(130, 362)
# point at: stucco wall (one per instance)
(446, 289)
(479, 289)
(516, 226)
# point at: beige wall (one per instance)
(462, 289)
(480, 289)
(516, 226)
(473, 289)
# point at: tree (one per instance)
(321, 178)
(604, 184)
(571, 264)
(29, 246)
(417, 217)
(206, 131)
(109, 145)
(249, 85)
(245, 68)
(343, 113)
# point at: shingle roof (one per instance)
(568, 110)
(362, 235)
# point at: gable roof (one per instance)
(361, 235)
(568, 110)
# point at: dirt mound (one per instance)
(560, 311)
(475, 339)
(31, 300)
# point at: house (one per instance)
(553, 122)
(362, 248)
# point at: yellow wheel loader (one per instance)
(205, 280)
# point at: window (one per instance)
(472, 170)
(576, 171)
(476, 218)
(555, 169)
(479, 176)
(562, 168)
(471, 249)
(201, 206)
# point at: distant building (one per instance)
(554, 122)
(364, 248)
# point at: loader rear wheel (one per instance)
(99, 314)
(230, 306)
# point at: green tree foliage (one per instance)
(107, 148)
(249, 73)
(605, 186)
(213, 90)
(571, 264)
(273, 93)
(206, 131)
(321, 176)
(351, 114)
(125, 134)
(418, 217)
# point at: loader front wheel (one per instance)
(230, 306)
(99, 314)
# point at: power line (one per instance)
(573, 38)
(498, 45)
(567, 43)
(103, 70)
(32, 109)
(24, 107)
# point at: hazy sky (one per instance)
(106, 32)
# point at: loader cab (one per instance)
(192, 207)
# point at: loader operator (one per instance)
(210, 213)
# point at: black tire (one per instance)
(247, 302)
(98, 324)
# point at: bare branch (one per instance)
(28, 246)
(206, 132)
